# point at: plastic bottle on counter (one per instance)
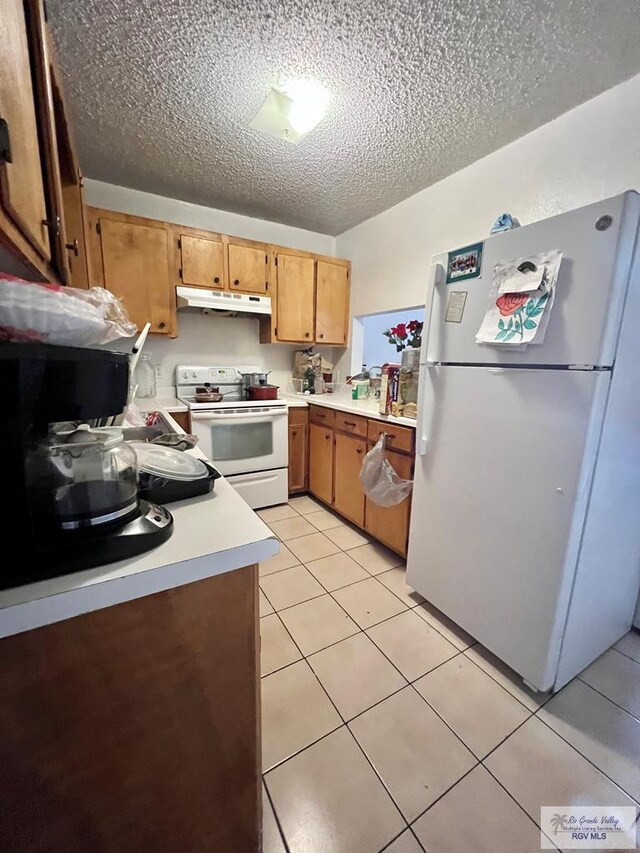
(145, 378)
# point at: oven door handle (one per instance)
(268, 413)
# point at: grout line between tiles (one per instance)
(589, 760)
(522, 809)
(604, 695)
(501, 685)
(275, 814)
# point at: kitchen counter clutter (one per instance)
(212, 534)
(343, 403)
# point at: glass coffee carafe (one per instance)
(83, 477)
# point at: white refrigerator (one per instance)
(525, 522)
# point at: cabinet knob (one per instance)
(161, 325)
(294, 433)
(237, 282)
(328, 435)
(306, 334)
(358, 450)
(322, 336)
(73, 247)
(216, 279)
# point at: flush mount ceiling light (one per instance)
(292, 110)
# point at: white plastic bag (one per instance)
(52, 314)
(380, 482)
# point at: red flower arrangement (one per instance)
(405, 335)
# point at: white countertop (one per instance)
(168, 403)
(343, 403)
(212, 534)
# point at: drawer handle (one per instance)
(350, 423)
(318, 415)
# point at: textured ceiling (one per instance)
(161, 92)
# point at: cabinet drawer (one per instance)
(322, 416)
(351, 423)
(398, 437)
(298, 415)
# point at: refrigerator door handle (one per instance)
(424, 429)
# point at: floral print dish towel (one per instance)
(520, 300)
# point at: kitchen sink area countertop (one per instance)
(212, 534)
(341, 402)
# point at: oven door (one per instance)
(241, 441)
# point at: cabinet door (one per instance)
(201, 262)
(297, 458)
(136, 268)
(321, 462)
(332, 303)
(22, 191)
(391, 524)
(295, 298)
(247, 268)
(348, 493)
(73, 202)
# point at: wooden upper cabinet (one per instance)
(332, 303)
(202, 262)
(22, 189)
(295, 311)
(135, 266)
(248, 268)
(74, 213)
(71, 190)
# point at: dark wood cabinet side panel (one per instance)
(136, 728)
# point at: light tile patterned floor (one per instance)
(387, 727)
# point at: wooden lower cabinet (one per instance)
(183, 419)
(337, 447)
(298, 443)
(136, 727)
(390, 525)
(321, 462)
(347, 489)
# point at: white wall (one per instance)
(587, 154)
(211, 340)
(216, 340)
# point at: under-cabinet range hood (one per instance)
(220, 302)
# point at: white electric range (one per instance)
(247, 441)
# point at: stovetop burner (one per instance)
(228, 380)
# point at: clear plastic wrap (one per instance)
(52, 314)
(380, 482)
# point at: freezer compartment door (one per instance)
(499, 501)
(591, 288)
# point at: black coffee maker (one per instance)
(59, 521)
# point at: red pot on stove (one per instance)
(262, 392)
